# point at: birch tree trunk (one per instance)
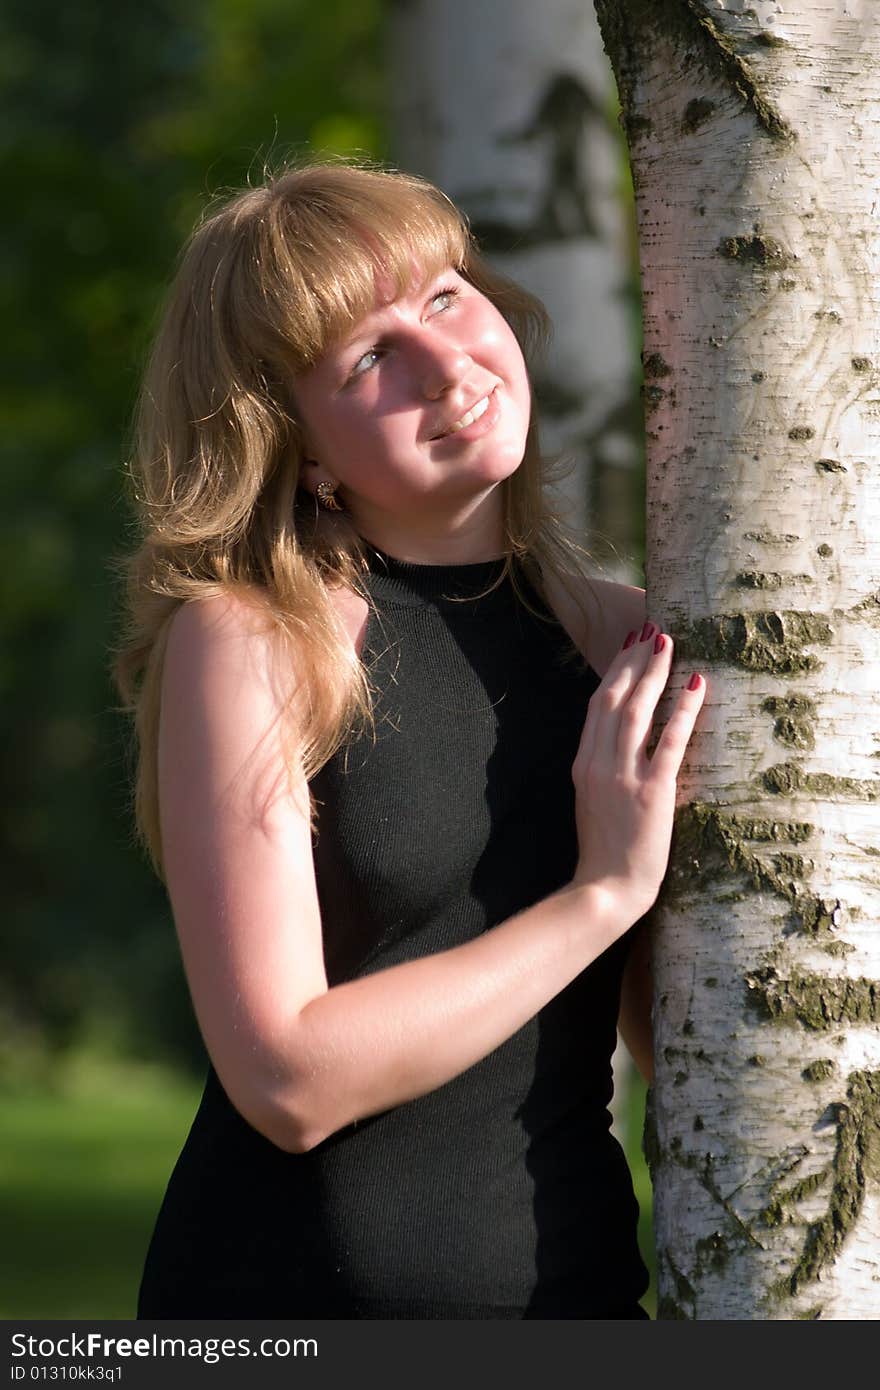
(509, 107)
(754, 131)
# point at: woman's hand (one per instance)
(624, 800)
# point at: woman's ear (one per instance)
(312, 474)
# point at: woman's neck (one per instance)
(435, 540)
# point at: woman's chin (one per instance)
(477, 482)
(498, 462)
(504, 463)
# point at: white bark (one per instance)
(758, 197)
(508, 106)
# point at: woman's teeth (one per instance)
(473, 414)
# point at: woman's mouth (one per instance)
(476, 421)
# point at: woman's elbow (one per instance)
(290, 1134)
(281, 1116)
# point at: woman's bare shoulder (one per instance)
(596, 613)
(227, 683)
(230, 615)
(352, 611)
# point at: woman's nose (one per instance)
(440, 367)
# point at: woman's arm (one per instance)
(298, 1059)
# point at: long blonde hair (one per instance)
(266, 282)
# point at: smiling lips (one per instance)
(469, 418)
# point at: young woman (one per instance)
(394, 773)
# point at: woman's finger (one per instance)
(667, 757)
(599, 737)
(637, 719)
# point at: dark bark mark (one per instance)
(696, 113)
(630, 33)
(673, 1308)
(561, 121)
(654, 366)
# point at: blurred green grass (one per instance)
(82, 1171)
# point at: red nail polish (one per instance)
(630, 639)
(647, 631)
(659, 643)
(694, 682)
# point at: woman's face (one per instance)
(420, 412)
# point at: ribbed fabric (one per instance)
(502, 1193)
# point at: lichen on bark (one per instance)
(778, 1209)
(769, 579)
(819, 1002)
(708, 844)
(770, 641)
(766, 537)
(790, 779)
(855, 1164)
(765, 38)
(757, 249)
(793, 723)
(867, 610)
(820, 1070)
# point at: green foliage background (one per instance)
(122, 121)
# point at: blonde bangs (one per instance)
(323, 249)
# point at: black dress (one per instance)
(502, 1193)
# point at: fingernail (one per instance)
(630, 639)
(647, 631)
(694, 682)
(659, 642)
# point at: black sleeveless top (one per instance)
(502, 1193)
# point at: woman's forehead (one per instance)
(390, 288)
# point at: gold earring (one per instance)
(326, 495)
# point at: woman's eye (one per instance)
(363, 364)
(443, 298)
